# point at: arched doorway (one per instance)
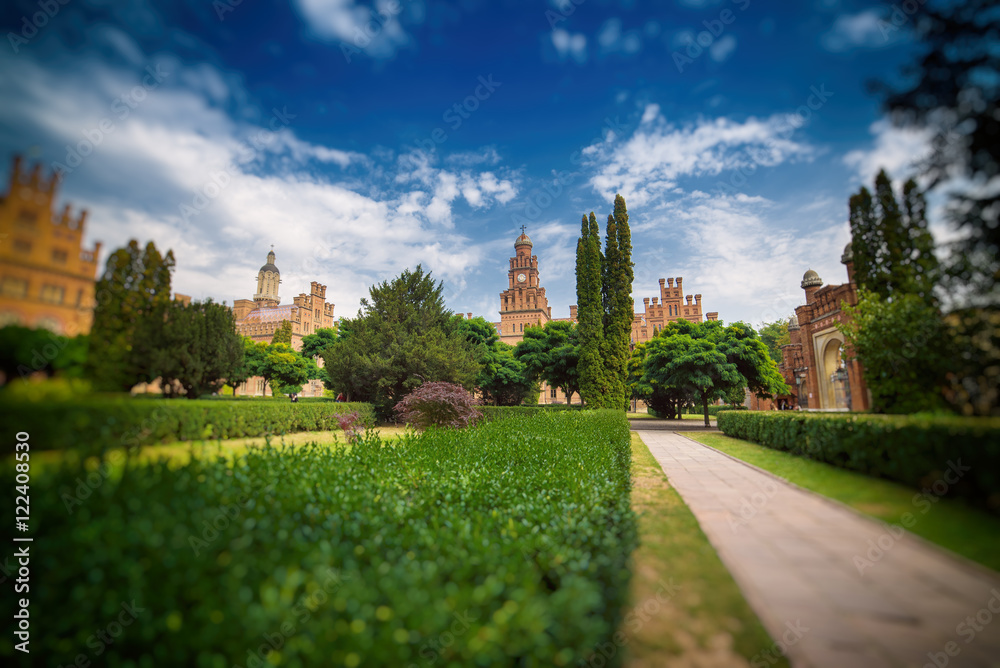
(833, 376)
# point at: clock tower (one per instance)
(523, 303)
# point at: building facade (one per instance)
(524, 304)
(260, 317)
(47, 277)
(813, 362)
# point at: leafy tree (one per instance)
(283, 333)
(502, 379)
(134, 284)
(662, 401)
(283, 369)
(707, 361)
(903, 345)
(953, 90)
(314, 344)
(193, 345)
(892, 247)
(774, 335)
(552, 353)
(25, 351)
(247, 366)
(403, 336)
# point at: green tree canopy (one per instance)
(403, 336)
(590, 310)
(552, 353)
(135, 282)
(25, 351)
(774, 335)
(194, 344)
(707, 361)
(502, 379)
(314, 344)
(283, 333)
(283, 369)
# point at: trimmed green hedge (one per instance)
(503, 545)
(98, 424)
(498, 412)
(938, 454)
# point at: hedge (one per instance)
(497, 412)
(939, 455)
(503, 545)
(96, 424)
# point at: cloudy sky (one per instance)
(362, 137)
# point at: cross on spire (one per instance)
(522, 229)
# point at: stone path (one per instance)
(835, 588)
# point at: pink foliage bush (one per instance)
(353, 425)
(439, 404)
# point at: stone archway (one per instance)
(833, 375)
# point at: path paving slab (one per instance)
(834, 588)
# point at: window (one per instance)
(22, 246)
(59, 256)
(14, 287)
(27, 218)
(552, 393)
(53, 294)
(522, 327)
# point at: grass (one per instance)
(700, 617)
(180, 452)
(952, 524)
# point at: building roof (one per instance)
(270, 314)
(811, 279)
(523, 240)
(848, 255)
(270, 267)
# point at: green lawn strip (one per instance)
(950, 523)
(706, 620)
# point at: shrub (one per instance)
(916, 450)
(439, 404)
(96, 424)
(353, 424)
(503, 545)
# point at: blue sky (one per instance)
(360, 138)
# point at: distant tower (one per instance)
(268, 279)
(523, 303)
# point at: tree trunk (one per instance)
(704, 401)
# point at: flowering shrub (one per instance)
(353, 424)
(439, 405)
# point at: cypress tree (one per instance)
(590, 309)
(617, 292)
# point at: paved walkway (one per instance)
(798, 558)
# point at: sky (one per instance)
(360, 137)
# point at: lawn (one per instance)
(685, 607)
(968, 531)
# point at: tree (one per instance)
(25, 351)
(248, 363)
(283, 369)
(892, 248)
(617, 275)
(953, 91)
(403, 336)
(590, 314)
(314, 344)
(661, 401)
(904, 347)
(774, 335)
(283, 333)
(134, 283)
(552, 353)
(707, 361)
(502, 379)
(193, 345)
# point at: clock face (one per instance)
(521, 278)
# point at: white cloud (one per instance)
(722, 48)
(896, 150)
(862, 30)
(658, 153)
(570, 45)
(374, 30)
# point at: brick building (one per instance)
(524, 304)
(812, 363)
(47, 277)
(260, 317)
